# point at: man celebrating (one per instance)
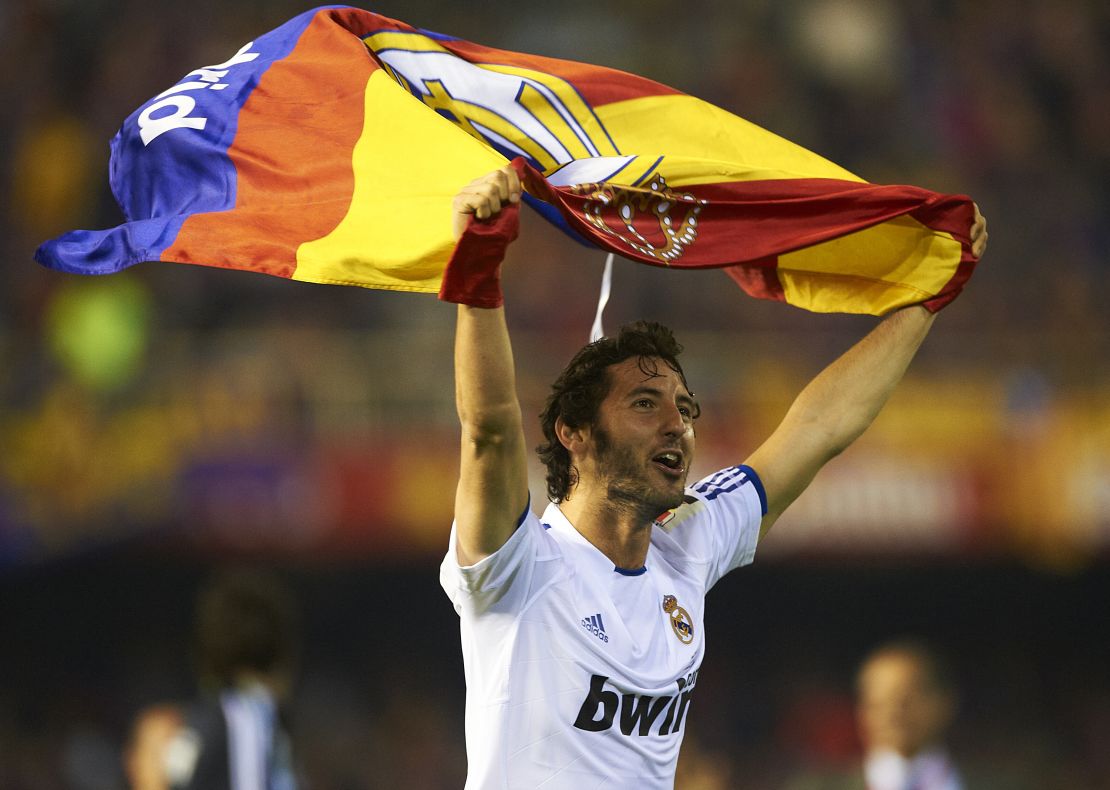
(582, 630)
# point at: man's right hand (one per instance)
(483, 197)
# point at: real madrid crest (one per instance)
(680, 620)
(652, 219)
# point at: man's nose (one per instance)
(673, 423)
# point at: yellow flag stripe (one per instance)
(407, 155)
(741, 149)
(871, 271)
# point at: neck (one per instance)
(274, 683)
(618, 529)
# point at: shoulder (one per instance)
(504, 578)
(734, 492)
(732, 480)
(691, 507)
(717, 524)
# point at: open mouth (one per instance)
(670, 461)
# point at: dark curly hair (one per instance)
(577, 394)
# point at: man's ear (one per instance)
(573, 439)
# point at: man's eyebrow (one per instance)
(644, 389)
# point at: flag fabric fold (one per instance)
(329, 150)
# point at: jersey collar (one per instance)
(556, 521)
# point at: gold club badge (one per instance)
(680, 620)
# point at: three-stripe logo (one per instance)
(595, 626)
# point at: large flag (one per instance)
(329, 150)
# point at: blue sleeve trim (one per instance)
(751, 473)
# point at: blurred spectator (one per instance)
(906, 703)
(147, 751)
(232, 737)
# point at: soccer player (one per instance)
(582, 630)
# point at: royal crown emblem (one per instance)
(653, 220)
(681, 623)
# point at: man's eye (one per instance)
(644, 402)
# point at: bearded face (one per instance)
(632, 480)
(640, 447)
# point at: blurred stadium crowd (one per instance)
(158, 422)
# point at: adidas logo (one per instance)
(594, 625)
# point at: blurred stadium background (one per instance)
(160, 423)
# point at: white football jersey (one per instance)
(579, 674)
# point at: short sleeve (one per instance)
(499, 581)
(718, 524)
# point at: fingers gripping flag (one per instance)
(329, 150)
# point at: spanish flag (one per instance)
(329, 150)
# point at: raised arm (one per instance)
(838, 406)
(493, 483)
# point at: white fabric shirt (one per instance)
(579, 674)
(932, 770)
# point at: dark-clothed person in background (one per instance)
(231, 737)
